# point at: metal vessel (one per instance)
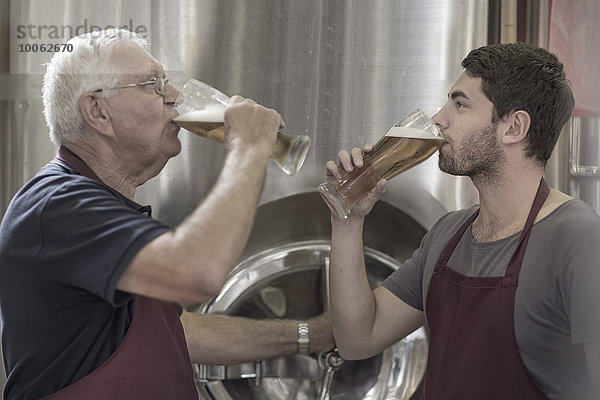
(342, 72)
(284, 275)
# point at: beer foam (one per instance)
(210, 114)
(406, 132)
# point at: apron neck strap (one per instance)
(514, 265)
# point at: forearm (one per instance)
(217, 231)
(352, 301)
(222, 339)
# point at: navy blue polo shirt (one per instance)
(65, 241)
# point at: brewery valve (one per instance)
(330, 362)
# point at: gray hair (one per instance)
(69, 74)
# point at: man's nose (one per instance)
(439, 119)
(172, 96)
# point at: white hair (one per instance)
(69, 74)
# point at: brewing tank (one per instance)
(341, 71)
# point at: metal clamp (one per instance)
(330, 362)
(292, 367)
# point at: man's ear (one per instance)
(94, 112)
(516, 127)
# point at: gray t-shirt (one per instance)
(556, 302)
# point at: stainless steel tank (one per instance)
(284, 275)
(341, 71)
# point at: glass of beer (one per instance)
(203, 113)
(408, 143)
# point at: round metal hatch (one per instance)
(290, 281)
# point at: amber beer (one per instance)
(202, 112)
(209, 123)
(400, 149)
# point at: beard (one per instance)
(479, 156)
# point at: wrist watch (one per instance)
(303, 338)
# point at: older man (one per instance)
(89, 283)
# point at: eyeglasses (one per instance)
(159, 86)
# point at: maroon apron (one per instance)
(151, 363)
(473, 351)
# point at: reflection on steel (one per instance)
(297, 271)
(341, 72)
(293, 367)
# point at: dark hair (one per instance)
(518, 76)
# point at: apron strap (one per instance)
(514, 265)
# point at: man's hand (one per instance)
(249, 125)
(346, 164)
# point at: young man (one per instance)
(89, 284)
(507, 287)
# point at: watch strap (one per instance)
(303, 338)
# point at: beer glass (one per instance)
(203, 113)
(408, 143)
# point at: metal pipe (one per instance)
(508, 21)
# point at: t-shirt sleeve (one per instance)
(406, 282)
(583, 283)
(90, 236)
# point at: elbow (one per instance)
(211, 281)
(351, 354)
(197, 274)
(203, 285)
(351, 348)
